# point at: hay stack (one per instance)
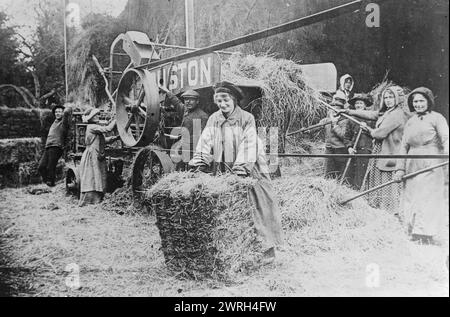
(287, 102)
(205, 224)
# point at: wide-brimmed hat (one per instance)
(56, 106)
(229, 88)
(364, 97)
(339, 99)
(89, 114)
(190, 94)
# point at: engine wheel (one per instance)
(138, 107)
(148, 167)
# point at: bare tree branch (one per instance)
(20, 91)
(49, 94)
(37, 86)
(33, 99)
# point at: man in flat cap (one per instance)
(194, 121)
(55, 144)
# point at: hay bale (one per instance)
(287, 102)
(22, 122)
(14, 151)
(205, 224)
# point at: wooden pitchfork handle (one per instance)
(393, 181)
(355, 145)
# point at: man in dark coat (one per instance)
(54, 146)
(193, 122)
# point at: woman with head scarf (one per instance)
(426, 132)
(365, 142)
(346, 84)
(387, 135)
(229, 143)
(93, 162)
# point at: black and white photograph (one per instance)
(224, 154)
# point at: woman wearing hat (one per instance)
(55, 143)
(230, 144)
(365, 142)
(338, 138)
(426, 132)
(387, 135)
(93, 162)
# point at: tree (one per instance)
(46, 58)
(11, 71)
(42, 58)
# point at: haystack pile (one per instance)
(205, 224)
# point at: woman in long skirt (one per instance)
(387, 135)
(93, 162)
(423, 203)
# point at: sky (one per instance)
(21, 12)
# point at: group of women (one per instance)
(405, 125)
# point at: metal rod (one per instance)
(308, 20)
(350, 159)
(102, 72)
(66, 75)
(375, 156)
(184, 48)
(393, 181)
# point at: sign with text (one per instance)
(194, 73)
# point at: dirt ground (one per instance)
(48, 245)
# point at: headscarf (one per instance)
(427, 93)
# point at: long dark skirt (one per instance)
(359, 166)
(335, 166)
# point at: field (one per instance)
(48, 245)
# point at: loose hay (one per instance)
(312, 216)
(287, 102)
(205, 224)
(120, 202)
